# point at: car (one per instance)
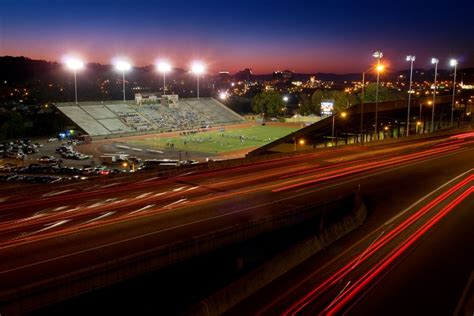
(15, 155)
(79, 156)
(11, 177)
(49, 159)
(7, 167)
(53, 139)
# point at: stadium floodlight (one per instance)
(74, 64)
(163, 67)
(198, 69)
(434, 61)
(453, 63)
(122, 66)
(411, 59)
(379, 68)
(377, 54)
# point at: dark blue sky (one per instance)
(305, 36)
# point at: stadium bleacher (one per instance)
(114, 117)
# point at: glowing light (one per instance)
(453, 62)
(343, 114)
(380, 68)
(122, 65)
(197, 68)
(418, 123)
(377, 54)
(285, 98)
(302, 141)
(386, 128)
(163, 66)
(222, 95)
(411, 58)
(74, 63)
(434, 60)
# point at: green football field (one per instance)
(217, 142)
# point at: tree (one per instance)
(11, 125)
(385, 94)
(268, 103)
(342, 100)
(306, 106)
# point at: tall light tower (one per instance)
(453, 63)
(411, 59)
(122, 65)
(362, 110)
(197, 68)
(434, 61)
(163, 67)
(379, 68)
(74, 64)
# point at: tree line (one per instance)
(271, 103)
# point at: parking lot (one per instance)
(49, 161)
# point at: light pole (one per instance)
(453, 63)
(343, 115)
(411, 59)
(74, 64)
(434, 61)
(122, 65)
(197, 68)
(378, 55)
(164, 67)
(362, 110)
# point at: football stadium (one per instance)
(166, 125)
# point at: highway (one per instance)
(416, 262)
(49, 233)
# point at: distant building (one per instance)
(285, 74)
(170, 100)
(146, 97)
(244, 75)
(224, 76)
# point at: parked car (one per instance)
(49, 159)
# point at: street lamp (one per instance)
(122, 65)
(434, 61)
(453, 63)
(379, 68)
(163, 67)
(411, 59)
(74, 64)
(198, 69)
(285, 98)
(362, 110)
(343, 115)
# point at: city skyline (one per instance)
(304, 39)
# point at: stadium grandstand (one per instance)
(117, 118)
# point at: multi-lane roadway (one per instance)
(51, 232)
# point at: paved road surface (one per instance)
(48, 234)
